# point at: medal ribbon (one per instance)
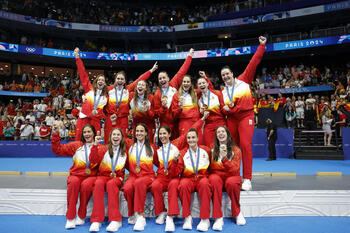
(195, 169)
(138, 155)
(86, 157)
(165, 161)
(118, 102)
(114, 162)
(165, 93)
(232, 91)
(208, 102)
(98, 101)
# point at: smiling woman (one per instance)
(141, 107)
(94, 98)
(82, 174)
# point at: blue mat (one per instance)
(53, 224)
(301, 167)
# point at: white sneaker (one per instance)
(169, 224)
(140, 223)
(240, 220)
(161, 218)
(203, 225)
(70, 224)
(218, 224)
(79, 221)
(95, 226)
(247, 185)
(187, 223)
(114, 226)
(132, 219)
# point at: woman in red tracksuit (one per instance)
(212, 102)
(140, 166)
(82, 174)
(193, 166)
(163, 97)
(112, 159)
(240, 109)
(117, 108)
(165, 180)
(94, 99)
(225, 167)
(141, 107)
(185, 108)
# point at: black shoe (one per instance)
(270, 159)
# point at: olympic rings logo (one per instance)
(30, 50)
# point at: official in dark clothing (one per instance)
(271, 138)
(310, 121)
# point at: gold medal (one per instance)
(195, 177)
(205, 106)
(112, 174)
(164, 98)
(232, 104)
(94, 112)
(166, 171)
(137, 169)
(87, 171)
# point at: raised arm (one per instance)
(97, 151)
(177, 79)
(248, 74)
(62, 149)
(181, 142)
(84, 77)
(202, 74)
(144, 76)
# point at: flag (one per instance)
(276, 105)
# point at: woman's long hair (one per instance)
(82, 139)
(104, 89)
(229, 144)
(192, 92)
(147, 141)
(122, 143)
(136, 95)
(166, 128)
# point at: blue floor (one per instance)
(301, 167)
(53, 224)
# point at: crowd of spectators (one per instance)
(32, 118)
(310, 111)
(126, 13)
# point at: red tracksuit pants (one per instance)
(161, 185)
(185, 124)
(209, 131)
(81, 122)
(76, 185)
(135, 192)
(241, 127)
(112, 186)
(232, 186)
(121, 122)
(186, 187)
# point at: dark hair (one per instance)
(192, 130)
(163, 71)
(147, 141)
(229, 144)
(226, 67)
(160, 144)
(122, 143)
(82, 139)
(104, 89)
